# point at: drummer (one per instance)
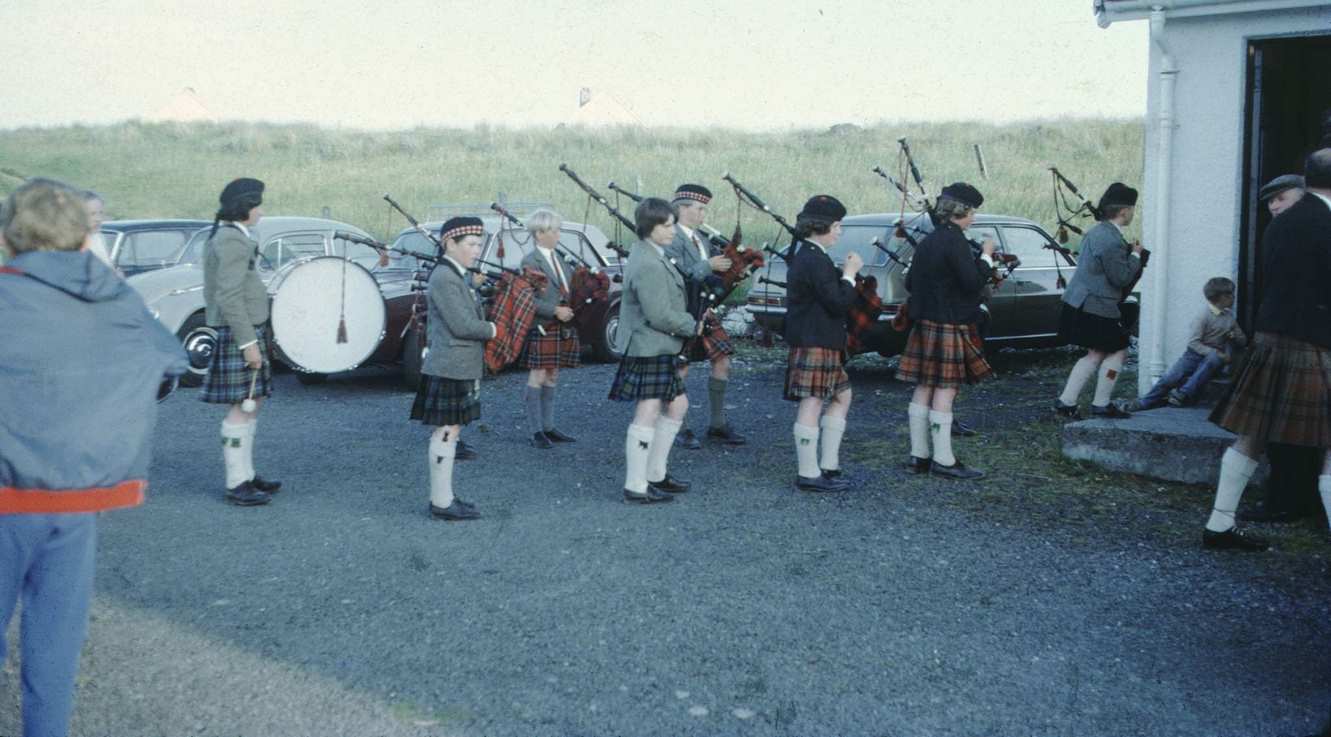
(552, 343)
(236, 305)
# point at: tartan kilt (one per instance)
(714, 342)
(1282, 394)
(441, 401)
(815, 372)
(228, 379)
(558, 348)
(647, 377)
(943, 355)
(1079, 327)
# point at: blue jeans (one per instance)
(47, 560)
(1189, 375)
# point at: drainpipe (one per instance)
(1159, 244)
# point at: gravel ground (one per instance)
(1049, 599)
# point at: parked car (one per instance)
(175, 293)
(136, 246)
(577, 241)
(1023, 310)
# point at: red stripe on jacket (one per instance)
(71, 501)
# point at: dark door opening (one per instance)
(1288, 103)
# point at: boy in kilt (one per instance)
(236, 307)
(946, 284)
(553, 342)
(1091, 316)
(818, 296)
(1282, 394)
(449, 395)
(653, 326)
(692, 254)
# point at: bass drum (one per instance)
(311, 299)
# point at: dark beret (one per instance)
(455, 228)
(1278, 185)
(693, 192)
(1118, 194)
(823, 207)
(243, 192)
(963, 193)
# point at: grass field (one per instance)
(176, 170)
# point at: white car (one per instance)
(175, 294)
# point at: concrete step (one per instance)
(1169, 444)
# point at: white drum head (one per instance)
(309, 304)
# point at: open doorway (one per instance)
(1288, 104)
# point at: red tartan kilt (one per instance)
(942, 355)
(1282, 394)
(558, 348)
(815, 372)
(714, 344)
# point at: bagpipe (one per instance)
(1065, 212)
(593, 195)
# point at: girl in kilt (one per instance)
(236, 307)
(818, 297)
(1282, 394)
(653, 326)
(1092, 314)
(946, 283)
(449, 395)
(552, 343)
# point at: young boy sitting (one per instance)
(1214, 333)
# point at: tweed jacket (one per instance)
(1104, 268)
(653, 317)
(817, 300)
(685, 255)
(457, 326)
(1296, 280)
(233, 294)
(550, 297)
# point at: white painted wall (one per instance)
(1206, 163)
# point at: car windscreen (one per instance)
(192, 253)
(860, 238)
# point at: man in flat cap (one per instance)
(1282, 192)
(693, 254)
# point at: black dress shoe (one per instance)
(465, 452)
(1264, 514)
(686, 439)
(539, 440)
(669, 485)
(961, 429)
(651, 496)
(835, 473)
(1069, 411)
(270, 487)
(245, 495)
(820, 484)
(1110, 411)
(1232, 539)
(559, 437)
(957, 470)
(455, 512)
(917, 464)
(726, 435)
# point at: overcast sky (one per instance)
(398, 63)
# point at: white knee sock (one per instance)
(1324, 486)
(832, 429)
(251, 429)
(1235, 470)
(637, 444)
(663, 438)
(919, 430)
(940, 432)
(1081, 373)
(1104, 386)
(442, 455)
(806, 450)
(235, 449)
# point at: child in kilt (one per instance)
(1282, 394)
(449, 395)
(817, 300)
(654, 324)
(946, 283)
(552, 343)
(236, 306)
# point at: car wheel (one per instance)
(604, 343)
(199, 342)
(310, 379)
(413, 357)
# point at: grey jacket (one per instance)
(233, 294)
(1214, 332)
(457, 326)
(685, 255)
(1104, 268)
(550, 297)
(653, 317)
